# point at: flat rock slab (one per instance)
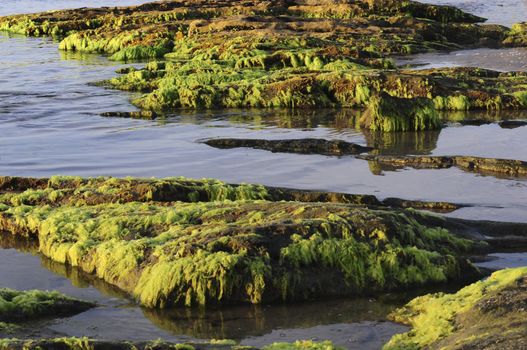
(302, 146)
(491, 166)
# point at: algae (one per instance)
(16, 306)
(488, 314)
(388, 114)
(92, 344)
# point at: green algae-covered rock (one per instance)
(20, 306)
(387, 113)
(489, 314)
(30, 305)
(231, 246)
(293, 54)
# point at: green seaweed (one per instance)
(17, 306)
(388, 114)
(303, 344)
(434, 317)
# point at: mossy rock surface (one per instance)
(388, 114)
(228, 243)
(17, 307)
(489, 314)
(278, 53)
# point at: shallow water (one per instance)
(50, 124)
(9, 7)
(499, 261)
(504, 12)
(514, 59)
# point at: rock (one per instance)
(148, 115)
(17, 307)
(474, 122)
(387, 113)
(303, 146)
(277, 53)
(509, 167)
(512, 124)
(93, 344)
(444, 207)
(200, 242)
(489, 314)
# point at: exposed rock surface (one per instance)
(17, 307)
(303, 146)
(93, 344)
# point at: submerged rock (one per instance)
(148, 115)
(436, 206)
(489, 314)
(303, 146)
(509, 167)
(225, 243)
(512, 124)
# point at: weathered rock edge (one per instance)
(93, 344)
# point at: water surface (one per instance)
(504, 12)
(504, 60)
(11, 7)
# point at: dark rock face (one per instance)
(509, 167)
(303, 146)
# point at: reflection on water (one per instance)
(238, 322)
(490, 116)
(50, 124)
(498, 261)
(339, 120)
(419, 143)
